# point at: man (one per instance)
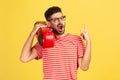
(61, 61)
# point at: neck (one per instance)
(59, 36)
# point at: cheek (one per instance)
(54, 25)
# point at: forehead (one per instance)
(55, 15)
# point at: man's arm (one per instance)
(85, 60)
(28, 53)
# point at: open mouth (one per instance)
(60, 27)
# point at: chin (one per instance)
(61, 32)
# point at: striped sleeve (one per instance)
(38, 49)
(81, 47)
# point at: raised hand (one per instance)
(38, 25)
(85, 60)
(85, 35)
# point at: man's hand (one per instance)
(85, 36)
(85, 60)
(38, 25)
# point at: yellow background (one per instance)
(101, 16)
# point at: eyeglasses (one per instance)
(57, 19)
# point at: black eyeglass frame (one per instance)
(56, 19)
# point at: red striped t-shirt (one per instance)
(61, 61)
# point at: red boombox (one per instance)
(45, 37)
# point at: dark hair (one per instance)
(50, 11)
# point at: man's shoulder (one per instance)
(73, 36)
(75, 39)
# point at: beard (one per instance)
(59, 30)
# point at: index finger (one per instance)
(85, 28)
